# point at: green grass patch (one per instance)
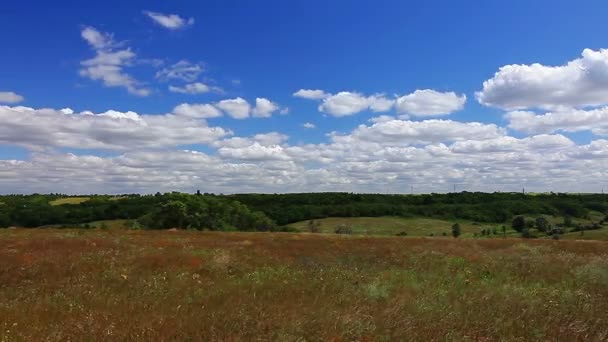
(387, 225)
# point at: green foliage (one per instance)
(542, 224)
(261, 212)
(456, 230)
(519, 223)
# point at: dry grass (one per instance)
(139, 285)
(69, 200)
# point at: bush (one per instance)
(343, 229)
(314, 227)
(402, 234)
(456, 230)
(519, 223)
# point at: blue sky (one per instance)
(397, 82)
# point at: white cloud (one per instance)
(108, 64)
(311, 94)
(309, 125)
(401, 132)
(199, 111)
(96, 39)
(10, 97)
(348, 103)
(566, 120)
(264, 108)
(579, 83)
(237, 108)
(430, 154)
(429, 102)
(540, 163)
(192, 88)
(183, 70)
(170, 21)
(38, 129)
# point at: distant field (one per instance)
(599, 234)
(69, 200)
(111, 224)
(122, 285)
(419, 226)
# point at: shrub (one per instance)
(314, 227)
(402, 234)
(343, 229)
(518, 223)
(456, 230)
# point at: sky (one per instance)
(235, 96)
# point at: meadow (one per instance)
(388, 225)
(106, 284)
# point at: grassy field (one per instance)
(419, 226)
(599, 234)
(102, 285)
(69, 200)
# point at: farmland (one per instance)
(157, 285)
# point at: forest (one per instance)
(273, 212)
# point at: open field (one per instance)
(387, 225)
(158, 285)
(69, 200)
(600, 234)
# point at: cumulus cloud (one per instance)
(311, 94)
(565, 120)
(579, 83)
(421, 102)
(183, 70)
(309, 125)
(429, 102)
(199, 111)
(264, 108)
(237, 108)
(109, 62)
(405, 132)
(432, 154)
(38, 129)
(10, 97)
(266, 164)
(348, 103)
(170, 21)
(192, 88)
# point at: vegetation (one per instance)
(123, 285)
(456, 230)
(478, 214)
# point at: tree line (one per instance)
(270, 212)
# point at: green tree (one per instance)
(175, 214)
(518, 223)
(542, 224)
(455, 230)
